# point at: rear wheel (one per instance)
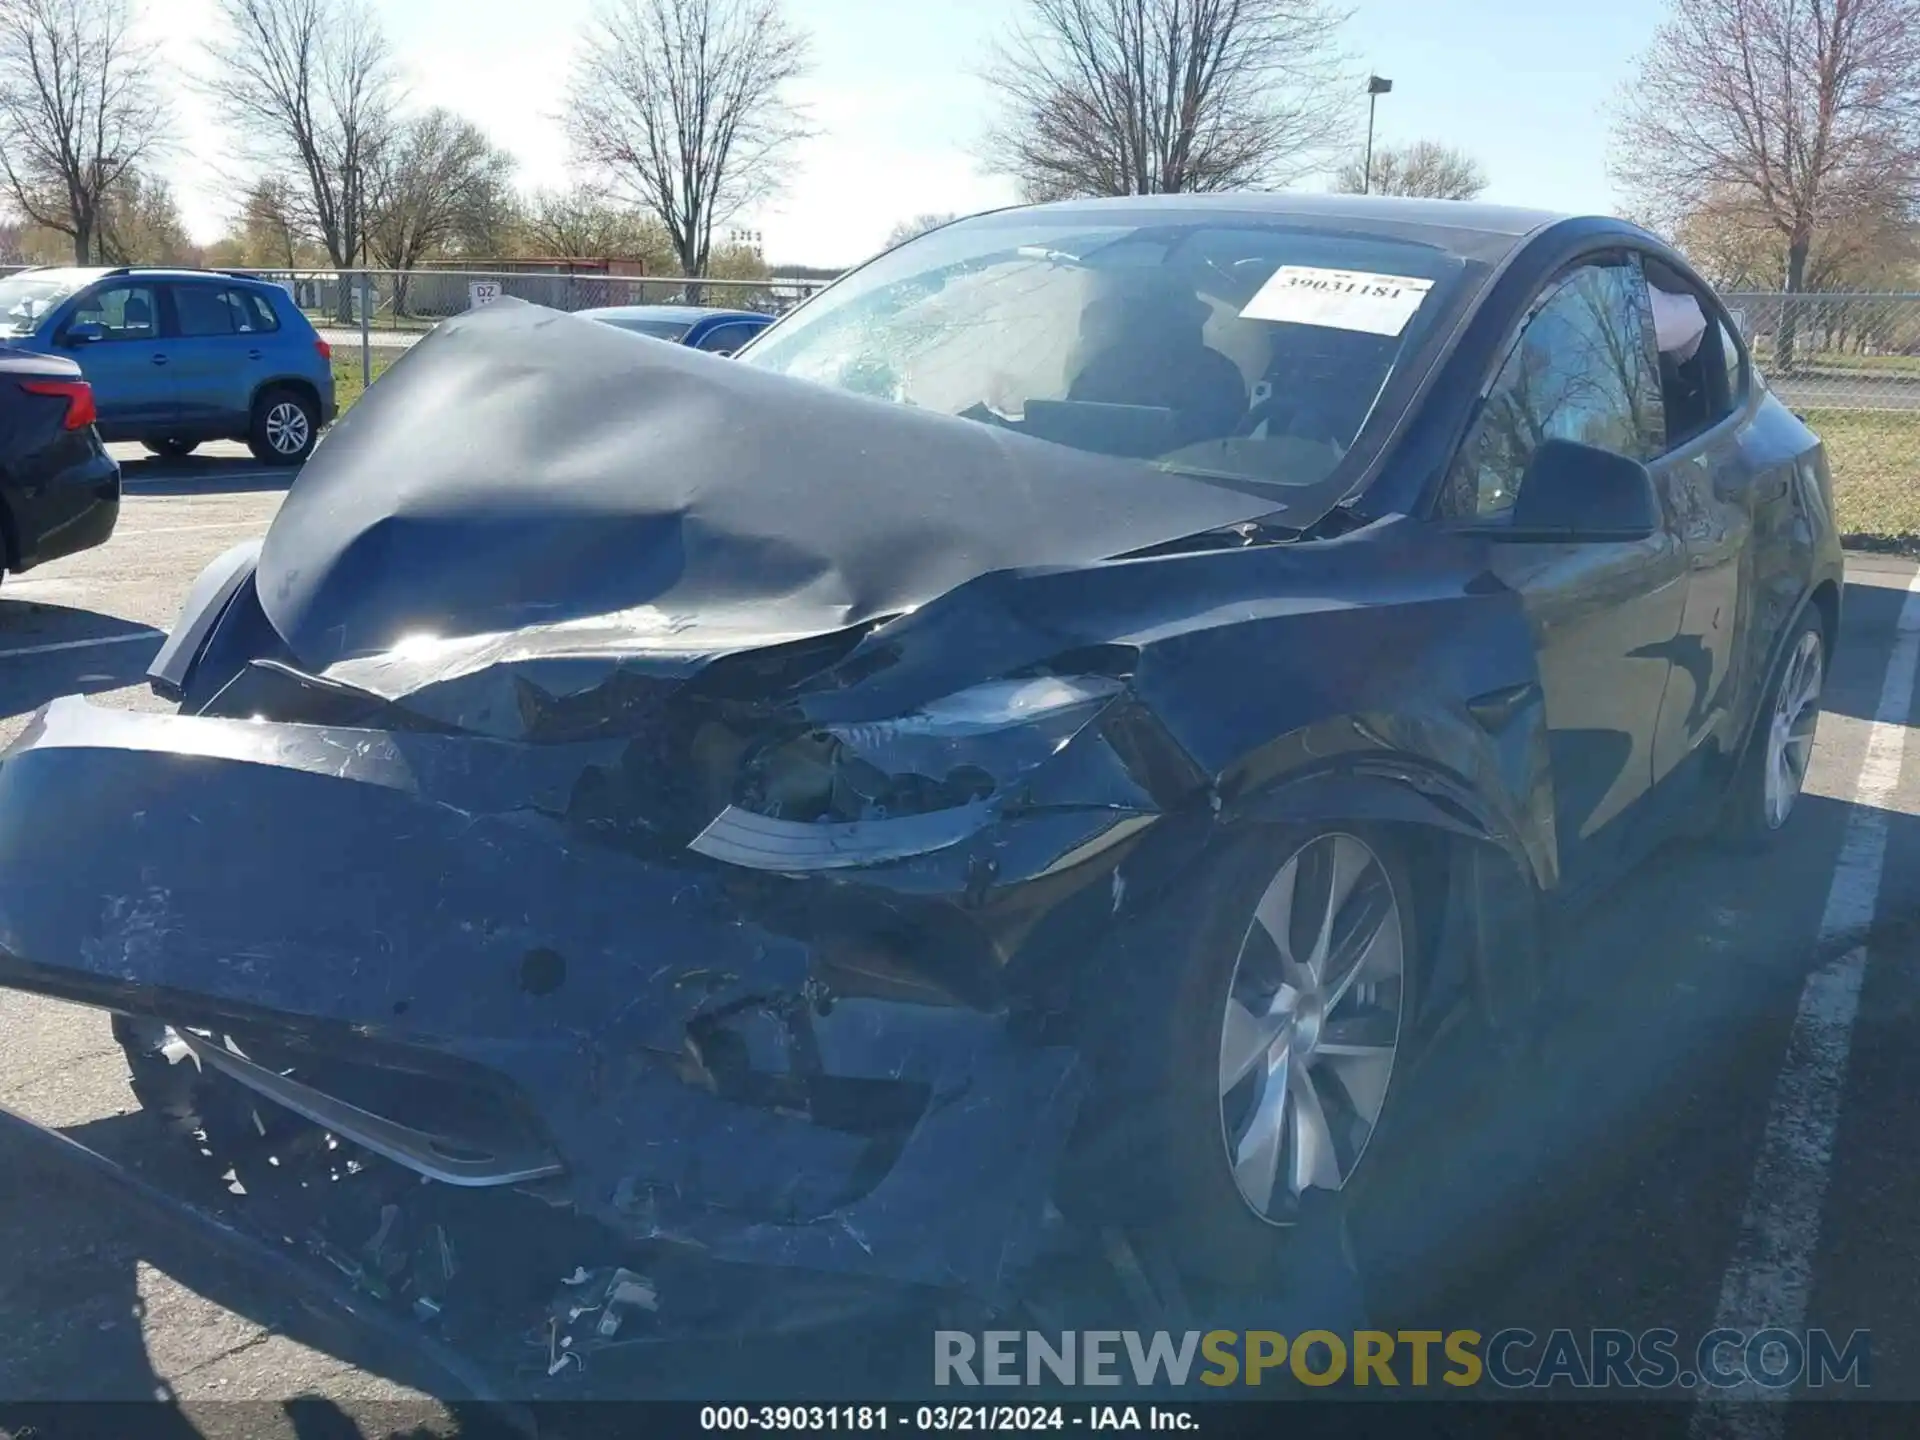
(1766, 790)
(284, 428)
(172, 447)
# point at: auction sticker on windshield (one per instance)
(1338, 299)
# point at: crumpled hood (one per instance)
(526, 484)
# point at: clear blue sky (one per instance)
(1522, 84)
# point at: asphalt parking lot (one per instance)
(1724, 1134)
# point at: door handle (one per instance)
(253, 354)
(159, 359)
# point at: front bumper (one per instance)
(415, 906)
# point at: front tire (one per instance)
(1268, 1048)
(1766, 788)
(284, 429)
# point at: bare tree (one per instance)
(1804, 112)
(1426, 169)
(579, 224)
(310, 85)
(429, 184)
(682, 105)
(270, 229)
(918, 225)
(1734, 245)
(78, 111)
(1138, 97)
(13, 243)
(140, 224)
(491, 220)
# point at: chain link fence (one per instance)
(1850, 365)
(372, 317)
(408, 301)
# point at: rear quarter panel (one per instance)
(295, 351)
(1795, 543)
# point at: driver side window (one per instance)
(1582, 369)
(124, 312)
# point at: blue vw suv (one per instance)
(178, 357)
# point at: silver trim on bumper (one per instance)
(418, 1151)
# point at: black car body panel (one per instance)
(453, 794)
(59, 489)
(683, 505)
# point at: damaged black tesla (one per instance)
(1050, 730)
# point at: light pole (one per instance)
(99, 166)
(1376, 87)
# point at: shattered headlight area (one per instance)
(862, 793)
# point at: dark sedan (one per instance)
(59, 489)
(1059, 727)
(719, 332)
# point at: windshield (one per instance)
(659, 329)
(1224, 348)
(26, 299)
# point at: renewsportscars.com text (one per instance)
(1511, 1359)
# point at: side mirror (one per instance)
(1581, 492)
(83, 334)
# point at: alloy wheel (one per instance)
(1312, 1025)
(1796, 713)
(288, 428)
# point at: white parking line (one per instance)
(185, 479)
(253, 524)
(1768, 1281)
(153, 636)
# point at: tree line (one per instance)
(677, 110)
(1778, 141)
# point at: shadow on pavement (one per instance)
(94, 653)
(203, 475)
(1608, 1180)
(1871, 620)
(73, 1295)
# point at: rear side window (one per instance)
(1699, 362)
(728, 337)
(253, 313)
(201, 310)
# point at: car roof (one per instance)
(87, 274)
(1466, 227)
(680, 314)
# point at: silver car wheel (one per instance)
(1796, 714)
(1312, 1025)
(288, 428)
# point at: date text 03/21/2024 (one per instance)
(938, 1419)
